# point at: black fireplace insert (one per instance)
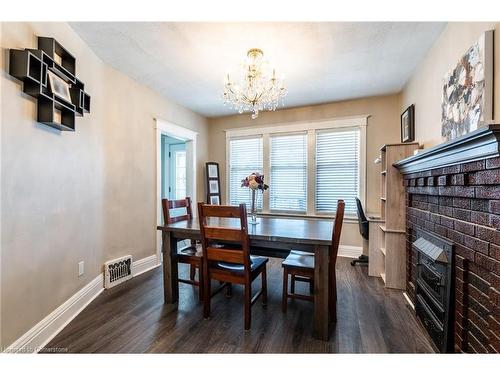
(435, 287)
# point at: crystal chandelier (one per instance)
(258, 88)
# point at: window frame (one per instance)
(360, 174)
(268, 176)
(311, 128)
(227, 199)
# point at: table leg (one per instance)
(321, 316)
(170, 272)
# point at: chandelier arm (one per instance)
(243, 96)
(260, 96)
(246, 99)
(231, 90)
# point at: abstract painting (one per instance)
(468, 90)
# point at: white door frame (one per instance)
(189, 136)
(173, 149)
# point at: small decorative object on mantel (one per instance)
(213, 183)
(254, 182)
(468, 90)
(48, 75)
(408, 125)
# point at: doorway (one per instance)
(175, 175)
(174, 168)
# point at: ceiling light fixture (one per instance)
(258, 88)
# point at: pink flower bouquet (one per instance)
(255, 182)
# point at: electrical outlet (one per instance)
(81, 268)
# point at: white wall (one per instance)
(425, 86)
(67, 197)
(383, 127)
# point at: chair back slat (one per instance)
(169, 204)
(175, 219)
(226, 234)
(237, 249)
(178, 203)
(225, 255)
(223, 211)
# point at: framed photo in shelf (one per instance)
(408, 125)
(213, 187)
(214, 199)
(213, 170)
(59, 87)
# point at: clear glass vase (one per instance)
(253, 210)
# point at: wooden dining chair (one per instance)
(191, 254)
(300, 266)
(226, 254)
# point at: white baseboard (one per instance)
(347, 251)
(41, 334)
(144, 265)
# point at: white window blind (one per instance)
(337, 169)
(245, 157)
(288, 162)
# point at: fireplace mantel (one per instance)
(480, 144)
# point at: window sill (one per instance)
(347, 218)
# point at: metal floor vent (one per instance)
(117, 271)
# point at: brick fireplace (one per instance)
(453, 191)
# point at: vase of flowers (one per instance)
(254, 182)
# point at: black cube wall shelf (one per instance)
(32, 67)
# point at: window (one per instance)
(308, 166)
(245, 157)
(337, 169)
(180, 174)
(288, 177)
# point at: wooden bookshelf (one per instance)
(388, 251)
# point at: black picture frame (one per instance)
(408, 124)
(214, 199)
(212, 183)
(59, 86)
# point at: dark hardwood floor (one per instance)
(131, 318)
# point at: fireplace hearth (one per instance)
(453, 193)
(434, 287)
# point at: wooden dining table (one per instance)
(273, 237)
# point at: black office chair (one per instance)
(363, 230)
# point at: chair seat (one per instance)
(194, 251)
(304, 253)
(299, 261)
(255, 260)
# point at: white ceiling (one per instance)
(321, 62)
